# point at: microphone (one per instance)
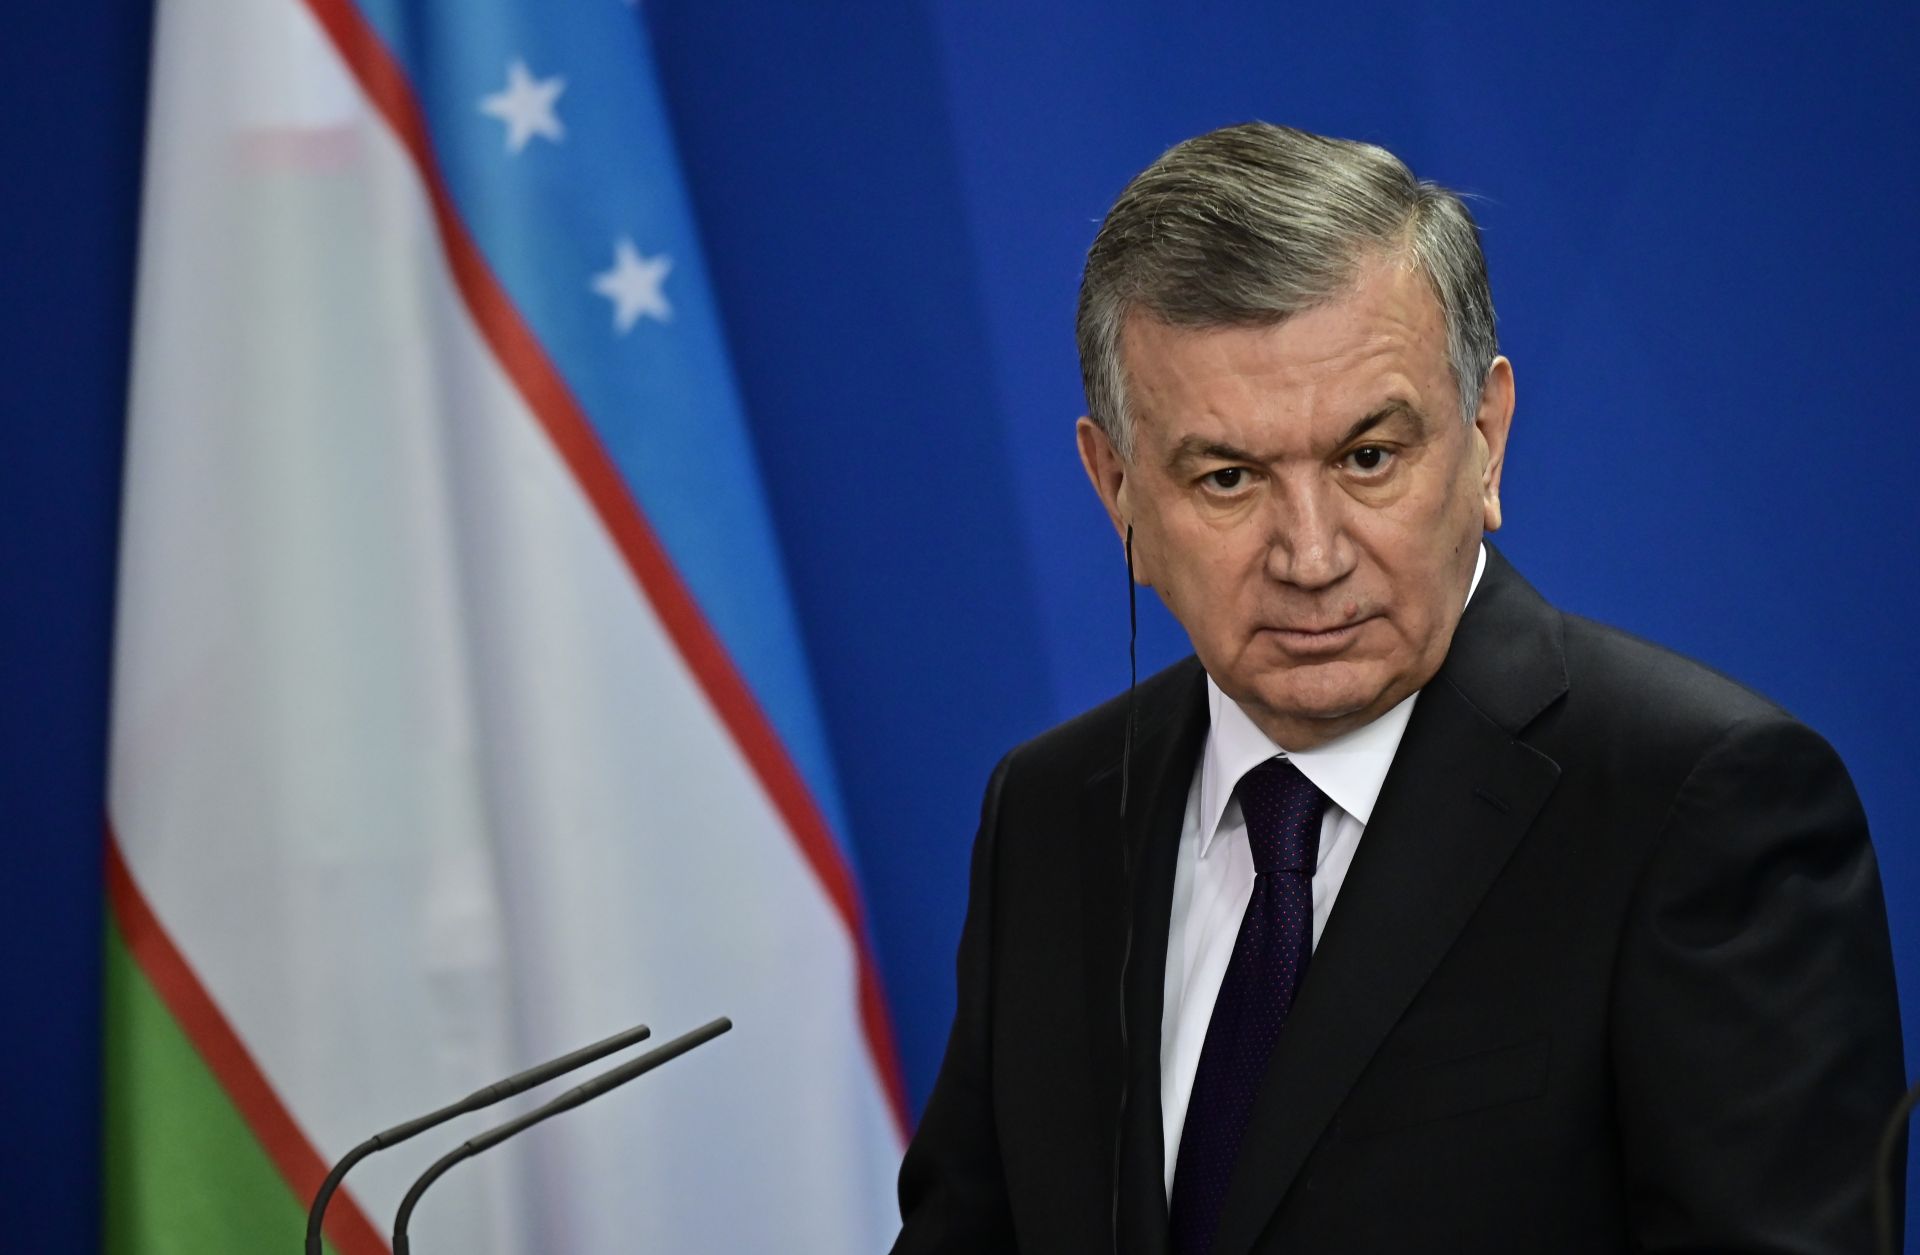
(1883, 1182)
(584, 1092)
(492, 1094)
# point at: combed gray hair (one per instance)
(1251, 224)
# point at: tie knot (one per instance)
(1282, 810)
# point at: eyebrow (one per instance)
(1393, 409)
(1193, 448)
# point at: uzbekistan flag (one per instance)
(459, 712)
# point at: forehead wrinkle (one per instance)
(1335, 366)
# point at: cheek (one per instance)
(1422, 577)
(1211, 587)
(1414, 568)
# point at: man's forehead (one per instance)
(1388, 298)
(1383, 332)
(1208, 381)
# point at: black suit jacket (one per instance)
(1609, 972)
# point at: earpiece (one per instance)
(1126, 881)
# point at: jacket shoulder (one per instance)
(1091, 742)
(1621, 686)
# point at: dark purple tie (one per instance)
(1270, 956)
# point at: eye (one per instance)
(1370, 458)
(1226, 481)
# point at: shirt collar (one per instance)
(1349, 769)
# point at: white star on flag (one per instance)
(633, 285)
(526, 106)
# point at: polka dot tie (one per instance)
(1270, 956)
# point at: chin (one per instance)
(1322, 711)
(1320, 698)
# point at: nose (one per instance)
(1307, 543)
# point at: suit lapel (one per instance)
(1459, 797)
(1172, 730)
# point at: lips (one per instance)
(1304, 640)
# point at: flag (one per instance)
(459, 716)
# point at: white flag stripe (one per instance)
(403, 757)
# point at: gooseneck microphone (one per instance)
(584, 1092)
(492, 1094)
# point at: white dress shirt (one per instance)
(1213, 878)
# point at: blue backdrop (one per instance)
(1701, 227)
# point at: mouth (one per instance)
(1308, 641)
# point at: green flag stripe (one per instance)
(186, 1105)
(183, 1172)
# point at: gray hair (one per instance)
(1251, 224)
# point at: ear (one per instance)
(1107, 470)
(1111, 475)
(1490, 427)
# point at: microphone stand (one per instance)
(472, 1102)
(584, 1092)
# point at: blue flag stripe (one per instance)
(532, 369)
(553, 220)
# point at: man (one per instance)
(1410, 914)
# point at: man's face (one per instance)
(1306, 499)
